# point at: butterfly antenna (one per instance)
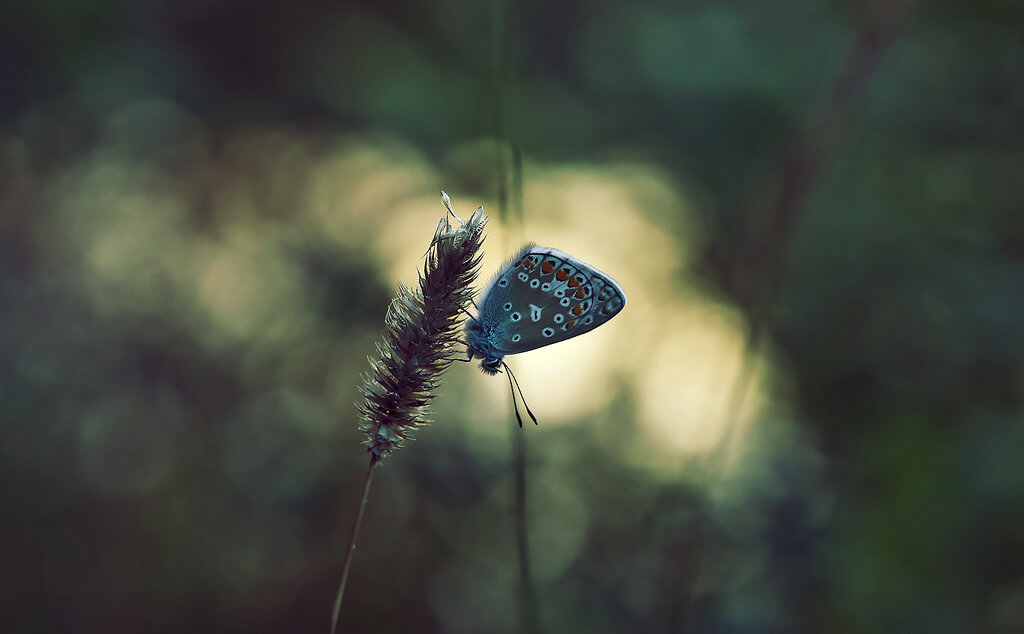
(512, 378)
(519, 418)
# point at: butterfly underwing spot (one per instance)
(507, 306)
(553, 265)
(611, 307)
(516, 338)
(523, 276)
(503, 282)
(548, 332)
(535, 312)
(516, 316)
(534, 283)
(530, 262)
(559, 318)
(564, 272)
(607, 309)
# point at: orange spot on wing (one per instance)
(580, 294)
(570, 324)
(574, 282)
(602, 297)
(529, 264)
(519, 263)
(547, 267)
(577, 310)
(562, 275)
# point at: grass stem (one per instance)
(354, 536)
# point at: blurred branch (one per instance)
(757, 273)
(800, 167)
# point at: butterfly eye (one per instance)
(507, 306)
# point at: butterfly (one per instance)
(539, 297)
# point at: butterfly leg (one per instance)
(468, 314)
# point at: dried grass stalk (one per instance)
(422, 327)
(421, 331)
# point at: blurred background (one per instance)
(807, 418)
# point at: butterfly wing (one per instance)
(543, 296)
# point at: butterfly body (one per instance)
(539, 297)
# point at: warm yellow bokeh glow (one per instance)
(675, 351)
(686, 402)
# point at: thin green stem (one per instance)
(528, 614)
(505, 23)
(351, 551)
